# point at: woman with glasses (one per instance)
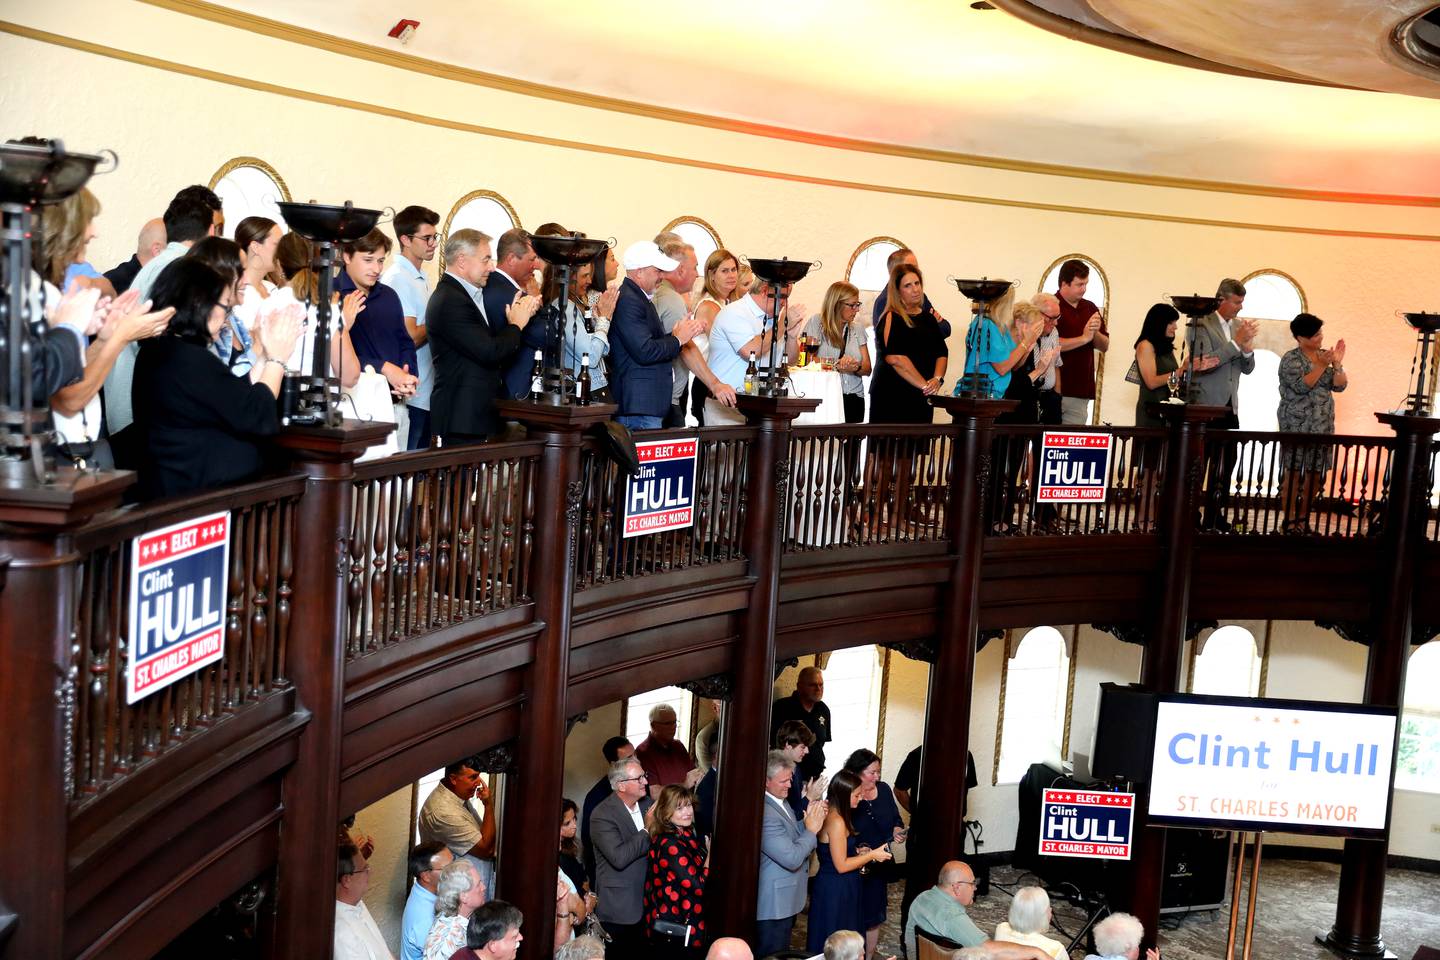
(201, 426)
(840, 331)
(835, 894)
(675, 877)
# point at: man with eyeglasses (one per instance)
(617, 828)
(941, 909)
(356, 935)
(415, 231)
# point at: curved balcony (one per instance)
(385, 617)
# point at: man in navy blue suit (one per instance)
(640, 349)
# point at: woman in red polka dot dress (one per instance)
(675, 881)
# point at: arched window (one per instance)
(1035, 698)
(1097, 291)
(637, 710)
(867, 268)
(1227, 664)
(1417, 766)
(854, 683)
(1272, 295)
(249, 187)
(699, 235)
(483, 210)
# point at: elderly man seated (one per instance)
(940, 912)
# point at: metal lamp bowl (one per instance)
(1424, 322)
(984, 290)
(574, 250)
(34, 174)
(1195, 305)
(780, 271)
(325, 223)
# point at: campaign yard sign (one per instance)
(662, 496)
(1073, 467)
(1080, 823)
(177, 602)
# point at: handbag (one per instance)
(369, 400)
(675, 931)
(1133, 374)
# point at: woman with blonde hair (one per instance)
(840, 332)
(675, 880)
(720, 284)
(1025, 324)
(66, 231)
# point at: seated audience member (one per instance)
(845, 945)
(150, 242)
(840, 331)
(675, 882)
(616, 748)
(426, 862)
(664, 758)
(356, 935)
(188, 219)
(448, 815)
(415, 231)
(742, 330)
(794, 740)
(470, 352)
(584, 947)
(641, 352)
(941, 909)
(493, 933)
(1118, 937)
(380, 338)
(199, 427)
(995, 950)
(730, 948)
(458, 894)
(1029, 919)
(617, 828)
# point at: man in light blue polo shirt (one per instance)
(418, 238)
(740, 330)
(426, 862)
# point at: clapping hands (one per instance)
(278, 331)
(687, 329)
(815, 815)
(605, 306)
(815, 789)
(130, 320)
(1337, 353)
(522, 309)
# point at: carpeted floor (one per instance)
(1296, 901)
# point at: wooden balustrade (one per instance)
(605, 554)
(111, 739)
(438, 537)
(856, 485)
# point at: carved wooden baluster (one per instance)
(284, 592)
(454, 585)
(234, 605)
(424, 548)
(119, 730)
(90, 705)
(486, 577)
(402, 571)
(379, 545)
(355, 586)
(444, 534)
(527, 527)
(464, 556)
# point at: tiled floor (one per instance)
(1296, 901)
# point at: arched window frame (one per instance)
(1263, 271)
(1104, 306)
(866, 245)
(1262, 653)
(703, 225)
(1426, 740)
(1069, 643)
(256, 163)
(460, 205)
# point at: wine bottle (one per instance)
(537, 377)
(585, 380)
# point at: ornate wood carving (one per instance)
(717, 686)
(501, 758)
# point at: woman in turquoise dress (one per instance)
(835, 894)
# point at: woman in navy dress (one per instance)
(835, 894)
(877, 822)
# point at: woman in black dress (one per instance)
(202, 427)
(1155, 361)
(912, 353)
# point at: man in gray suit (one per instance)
(1223, 352)
(785, 848)
(617, 829)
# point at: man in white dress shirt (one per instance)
(356, 935)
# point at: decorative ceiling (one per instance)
(938, 75)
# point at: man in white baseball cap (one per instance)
(640, 350)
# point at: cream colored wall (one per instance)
(388, 821)
(584, 763)
(629, 175)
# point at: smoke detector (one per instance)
(404, 30)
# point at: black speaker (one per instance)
(1124, 733)
(1197, 869)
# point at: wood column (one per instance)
(1166, 625)
(529, 835)
(740, 795)
(305, 891)
(1356, 932)
(940, 819)
(37, 697)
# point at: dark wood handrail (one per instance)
(129, 522)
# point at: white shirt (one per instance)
(784, 807)
(413, 288)
(356, 935)
(636, 815)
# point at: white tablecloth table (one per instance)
(817, 384)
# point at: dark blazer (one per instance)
(469, 359)
(122, 276)
(640, 353)
(620, 861)
(498, 293)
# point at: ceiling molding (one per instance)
(261, 86)
(314, 39)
